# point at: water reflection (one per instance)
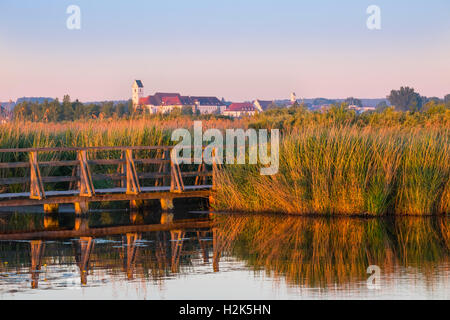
(324, 252)
(62, 252)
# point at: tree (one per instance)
(382, 106)
(426, 100)
(107, 109)
(187, 110)
(22, 111)
(353, 102)
(405, 99)
(322, 101)
(273, 105)
(79, 111)
(447, 99)
(67, 112)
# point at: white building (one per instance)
(138, 92)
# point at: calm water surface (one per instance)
(189, 255)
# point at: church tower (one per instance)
(138, 92)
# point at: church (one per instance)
(166, 102)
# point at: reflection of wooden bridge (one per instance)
(170, 237)
(163, 177)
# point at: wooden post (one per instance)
(166, 218)
(162, 168)
(133, 186)
(81, 207)
(176, 180)
(214, 169)
(51, 222)
(86, 247)
(123, 170)
(36, 187)
(200, 179)
(166, 168)
(136, 204)
(86, 185)
(81, 224)
(200, 236)
(136, 217)
(177, 246)
(131, 252)
(37, 251)
(216, 250)
(51, 208)
(167, 204)
(73, 184)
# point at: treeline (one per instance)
(67, 110)
(406, 99)
(432, 114)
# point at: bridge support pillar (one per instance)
(51, 221)
(81, 207)
(51, 208)
(136, 204)
(167, 204)
(136, 217)
(166, 218)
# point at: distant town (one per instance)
(50, 109)
(167, 102)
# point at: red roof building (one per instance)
(240, 109)
(166, 102)
(171, 101)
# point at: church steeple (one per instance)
(137, 92)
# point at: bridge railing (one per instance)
(157, 165)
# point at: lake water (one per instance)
(194, 255)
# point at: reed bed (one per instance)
(347, 170)
(327, 167)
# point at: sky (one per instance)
(237, 49)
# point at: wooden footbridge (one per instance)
(130, 173)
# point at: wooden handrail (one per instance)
(66, 149)
(69, 163)
(102, 176)
(83, 170)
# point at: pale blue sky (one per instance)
(238, 49)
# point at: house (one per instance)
(263, 105)
(162, 102)
(237, 110)
(208, 105)
(360, 110)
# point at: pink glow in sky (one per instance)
(238, 51)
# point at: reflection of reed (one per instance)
(325, 251)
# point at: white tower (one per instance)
(138, 92)
(293, 98)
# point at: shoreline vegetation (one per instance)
(341, 163)
(331, 163)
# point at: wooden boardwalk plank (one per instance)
(99, 197)
(100, 191)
